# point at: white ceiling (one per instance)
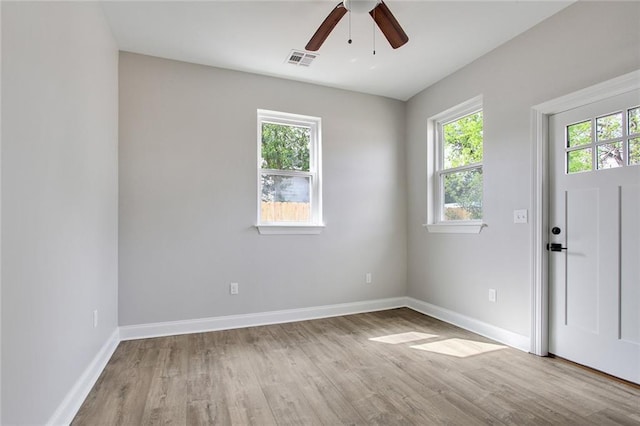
(257, 37)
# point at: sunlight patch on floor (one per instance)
(410, 336)
(460, 348)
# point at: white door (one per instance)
(594, 235)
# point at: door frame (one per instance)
(540, 194)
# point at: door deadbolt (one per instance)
(555, 247)
(555, 230)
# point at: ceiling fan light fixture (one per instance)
(360, 6)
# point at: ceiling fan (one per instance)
(378, 11)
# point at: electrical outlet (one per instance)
(233, 288)
(367, 278)
(492, 295)
(95, 319)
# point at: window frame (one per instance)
(315, 224)
(436, 171)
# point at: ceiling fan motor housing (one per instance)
(360, 6)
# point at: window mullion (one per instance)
(280, 172)
(462, 168)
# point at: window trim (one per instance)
(315, 224)
(435, 161)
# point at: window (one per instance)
(604, 142)
(289, 186)
(456, 184)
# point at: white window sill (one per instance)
(290, 229)
(455, 228)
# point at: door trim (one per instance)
(540, 193)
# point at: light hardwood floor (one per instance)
(330, 372)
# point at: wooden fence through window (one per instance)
(284, 212)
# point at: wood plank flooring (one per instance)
(329, 372)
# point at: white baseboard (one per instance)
(498, 334)
(171, 328)
(229, 322)
(75, 397)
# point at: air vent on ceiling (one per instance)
(304, 59)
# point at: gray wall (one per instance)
(585, 44)
(188, 188)
(188, 196)
(59, 200)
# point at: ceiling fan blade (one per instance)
(326, 27)
(389, 25)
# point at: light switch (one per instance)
(520, 216)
